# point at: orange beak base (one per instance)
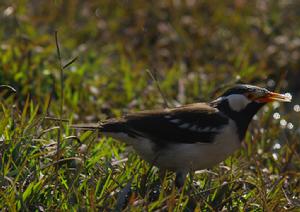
(271, 97)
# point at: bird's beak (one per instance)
(271, 97)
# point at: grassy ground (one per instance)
(194, 49)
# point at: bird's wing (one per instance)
(188, 124)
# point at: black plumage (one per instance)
(167, 126)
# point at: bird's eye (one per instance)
(249, 95)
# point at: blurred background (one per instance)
(194, 49)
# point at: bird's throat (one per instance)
(242, 118)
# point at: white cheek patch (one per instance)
(237, 102)
(175, 121)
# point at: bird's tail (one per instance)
(87, 126)
(116, 128)
(110, 125)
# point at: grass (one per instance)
(192, 51)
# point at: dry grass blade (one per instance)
(61, 95)
(56, 119)
(69, 63)
(166, 104)
(2, 87)
(73, 137)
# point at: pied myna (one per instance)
(194, 136)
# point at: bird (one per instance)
(190, 137)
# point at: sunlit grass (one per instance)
(192, 51)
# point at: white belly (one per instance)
(198, 156)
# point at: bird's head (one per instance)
(242, 96)
(242, 102)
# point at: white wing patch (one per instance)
(190, 126)
(207, 129)
(175, 121)
(193, 128)
(186, 125)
